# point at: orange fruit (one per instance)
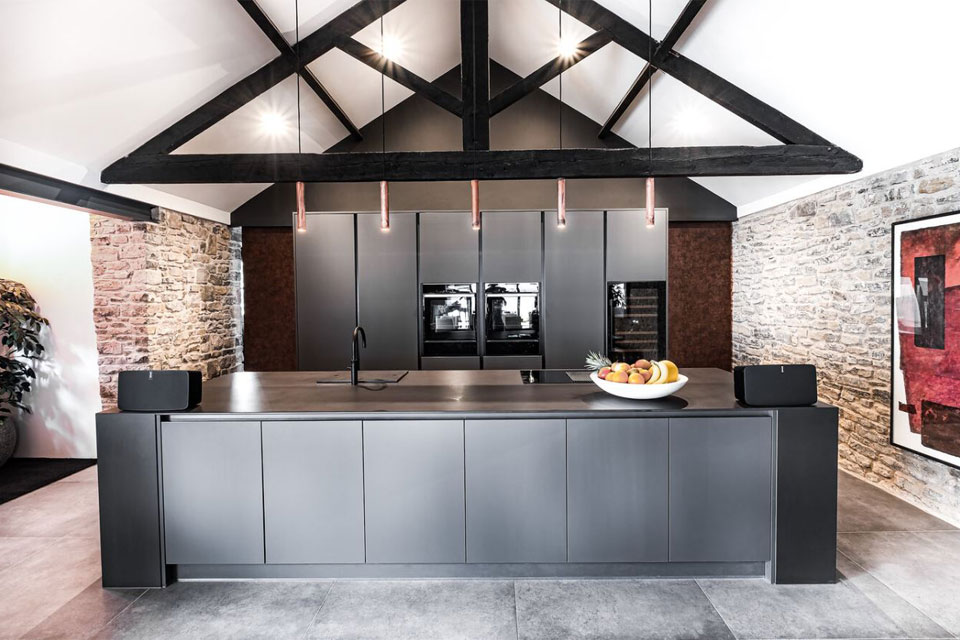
(617, 376)
(635, 378)
(620, 366)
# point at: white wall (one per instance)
(47, 248)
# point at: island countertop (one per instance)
(488, 392)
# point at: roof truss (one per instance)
(803, 152)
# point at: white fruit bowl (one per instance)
(639, 391)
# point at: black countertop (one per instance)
(296, 395)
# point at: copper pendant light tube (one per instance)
(384, 205)
(301, 209)
(475, 204)
(561, 203)
(651, 203)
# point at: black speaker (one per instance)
(776, 385)
(158, 390)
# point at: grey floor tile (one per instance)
(620, 609)
(427, 609)
(87, 475)
(14, 550)
(56, 510)
(248, 610)
(923, 568)
(863, 507)
(84, 615)
(36, 588)
(754, 608)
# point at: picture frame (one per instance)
(925, 337)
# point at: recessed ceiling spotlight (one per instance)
(273, 123)
(392, 47)
(567, 47)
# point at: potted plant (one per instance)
(20, 326)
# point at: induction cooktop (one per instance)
(554, 376)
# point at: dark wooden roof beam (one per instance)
(475, 73)
(485, 165)
(683, 21)
(286, 50)
(407, 78)
(547, 72)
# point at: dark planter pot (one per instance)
(8, 440)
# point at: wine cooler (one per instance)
(636, 320)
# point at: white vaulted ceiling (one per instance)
(84, 82)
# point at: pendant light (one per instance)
(384, 185)
(301, 197)
(651, 186)
(561, 182)
(475, 204)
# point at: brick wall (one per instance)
(811, 283)
(166, 296)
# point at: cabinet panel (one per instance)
(452, 363)
(720, 489)
(512, 362)
(326, 292)
(512, 246)
(516, 493)
(573, 290)
(413, 473)
(449, 248)
(212, 492)
(617, 490)
(387, 290)
(313, 492)
(635, 252)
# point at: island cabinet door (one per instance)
(413, 491)
(721, 504)
(516, 490)
(617, 490)
(212, 492)
(313, 492)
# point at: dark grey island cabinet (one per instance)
(439, 493)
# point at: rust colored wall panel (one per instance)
(269, 300)
(700, 290)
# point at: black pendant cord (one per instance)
(296, 18)
(383, 103)
(650, 90)
(560, 78)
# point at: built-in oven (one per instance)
(636, 320)
(512, 319)
(449, 320)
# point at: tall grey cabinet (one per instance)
(634, 251)
(449, 248)
(326, 291)
(573, 289)
(512, 249)
(387, 290)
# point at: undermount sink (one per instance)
(373, 377)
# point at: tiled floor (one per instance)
(899, 570)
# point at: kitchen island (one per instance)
(465, 474)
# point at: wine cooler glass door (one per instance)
(637, 320)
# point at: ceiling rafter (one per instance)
(407, 78)
(548, 72)
(266, 77)
(803, 152)
(669, 41)
(695, 76)
(273, 33)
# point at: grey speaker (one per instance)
(156, 391)
(776, 385)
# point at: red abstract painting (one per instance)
(927, 325)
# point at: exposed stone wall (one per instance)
(166, 296)
(811, 283)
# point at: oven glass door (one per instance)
(449, 320)
(512, 319)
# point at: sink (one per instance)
(373, 377)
